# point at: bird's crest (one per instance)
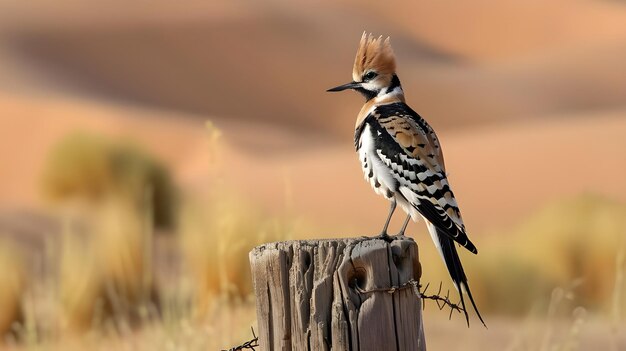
(373, 54)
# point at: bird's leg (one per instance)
(406, 223)
(392, 208)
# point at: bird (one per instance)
(402, 158)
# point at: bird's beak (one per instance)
(351, 85)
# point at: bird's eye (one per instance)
(370, 75)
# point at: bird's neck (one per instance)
(389, 95)
(392, 91)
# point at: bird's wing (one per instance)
(410, 148)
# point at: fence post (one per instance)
(338, 295)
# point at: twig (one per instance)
(248, 345)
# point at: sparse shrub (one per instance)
(508, 285)
(90, 169)
(574, 239)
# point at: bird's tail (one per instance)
(448, 252)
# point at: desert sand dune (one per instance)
(263, 69)
(273, 63)
(487, 31)
(500, 173)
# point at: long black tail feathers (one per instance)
(453, 263)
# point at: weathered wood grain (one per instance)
(327, 295)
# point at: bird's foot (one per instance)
(385, 236)
(399, 235)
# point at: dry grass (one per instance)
(208, 304)
(104, 293)
(575, 239)
(12, 287)
(105, 290)
(217, 232)
(618, 299)
(108, 272)
(215, 241)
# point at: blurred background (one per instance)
(146, 147)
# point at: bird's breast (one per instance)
(376, 173)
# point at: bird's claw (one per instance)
(385, 236)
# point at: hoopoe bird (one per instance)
(402, 159)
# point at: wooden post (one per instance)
(335, 295)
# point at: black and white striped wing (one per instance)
(408, 146)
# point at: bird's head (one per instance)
(374, 68)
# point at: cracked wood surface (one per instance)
(313, 295)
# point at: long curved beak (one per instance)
(351, 85)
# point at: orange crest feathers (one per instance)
(373, 54)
